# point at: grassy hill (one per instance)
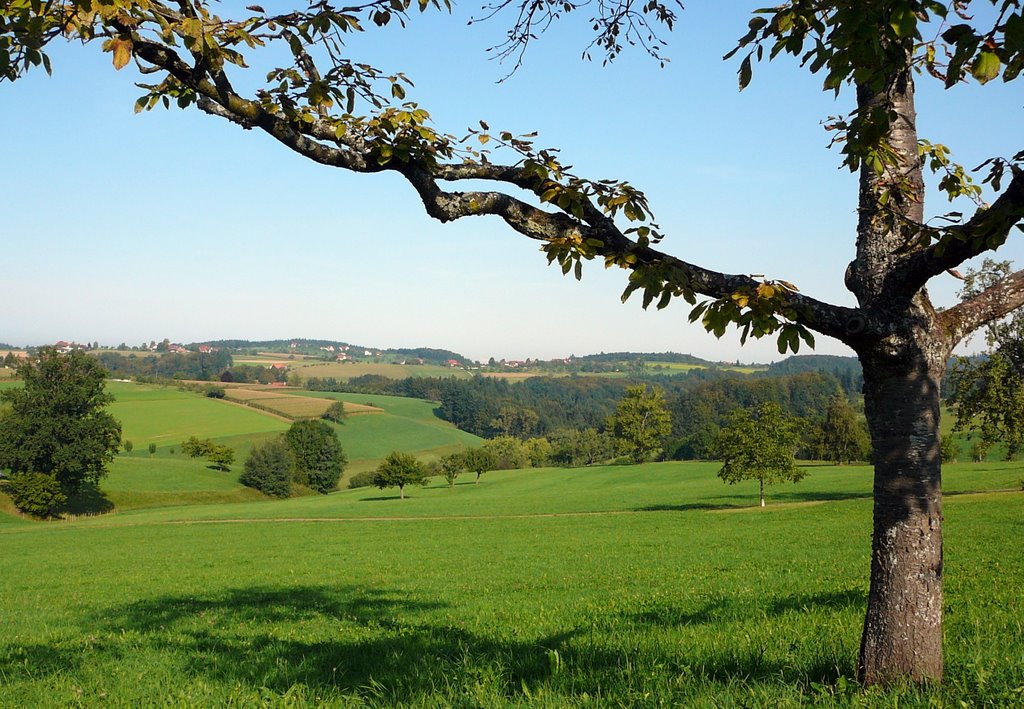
(166, 416)
(633, 586)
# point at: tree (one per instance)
(398, 470)
(221, 457)
(269, 468)
(842, 438)
(129, 447)
(56, 422)
(451, 466)
(195, 447)
(759, 446)
(319, 458)
(641, 423)
(36, 494)
(479, 461)
(152, 449)
(875, 50)
(988, 391)
(335, 413)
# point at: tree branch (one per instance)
(985, 231)
(317, 140)
(991, 304)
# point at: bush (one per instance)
(152, 448)
(363, 479)
(36, 494)
(214, 392)
(128, 446)
(269, 468)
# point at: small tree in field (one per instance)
(641, 423)
(152, 449)
(479, 461)
(398, 470)
(129, 447)
(221, 457)
(335, 413)
(451, 466)
(759, 446)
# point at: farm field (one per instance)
(166, 416)
(672, 591)
(348, 370)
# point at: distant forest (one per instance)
(699, 401)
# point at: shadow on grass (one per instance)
(89, 500)
(725, 609)
(387, 646)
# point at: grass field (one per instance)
(167, 416)
(635, 586)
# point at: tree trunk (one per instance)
(902, 636)
(401, 492)
(762, 492)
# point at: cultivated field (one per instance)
(637, 586)
(348, 370)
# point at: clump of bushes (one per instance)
(363, 479)
(314, 460)
(36, 494)
(269, 468)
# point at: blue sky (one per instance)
(122, 227)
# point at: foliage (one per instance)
(479, 461)
(363, 479)
(571, 448)
(319, 459)
(269, 468)
(129, 447)
(152, 448)
(203, 366)
(759, 446)
(56, 422)
(221, 457)
(843, 436)
(450, 466)
(988, 392)
(36, 494)
(641, 423)
(398, 470)
(949, 449)
(335, 413)
(507, 453)
(195, 447)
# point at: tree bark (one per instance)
(762, 492)
(902, 636)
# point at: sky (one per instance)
(128, 228)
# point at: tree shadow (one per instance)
(389, 643)
(89, 500)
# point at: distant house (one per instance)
(453, 363)
(206, 349)
(277, 366)
(177, 349)
(341, 358)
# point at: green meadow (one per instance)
(166, 416)
(636, 586)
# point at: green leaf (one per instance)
(986, 66)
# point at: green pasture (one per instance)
(674, 591)
(406, 424)
(167, 416)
